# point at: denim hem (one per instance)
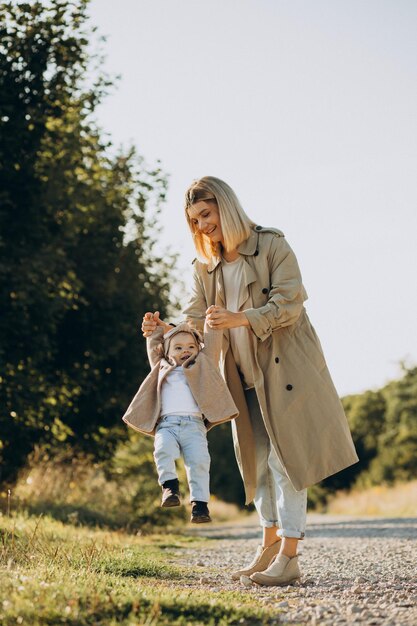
(291, 534)
(170, 476)
(200, 496)
(265, 524)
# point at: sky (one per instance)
(309, 111)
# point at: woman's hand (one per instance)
(151, 321)
(217, 317)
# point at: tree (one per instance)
(397, 442)
(384, 430)
(77, 265)
(225, 480)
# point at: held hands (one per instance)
(150, 322)
(219, 318)
(216, 317)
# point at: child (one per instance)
(183, 396)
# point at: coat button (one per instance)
(264, 290)
(288, 387)
(258, 227)
(277, 359)
(256, 253)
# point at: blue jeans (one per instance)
(276, 500)
(186, 436)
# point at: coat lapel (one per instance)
(220, 294)
(249, 277)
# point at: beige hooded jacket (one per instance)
(207, 385)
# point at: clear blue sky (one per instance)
(309, 111)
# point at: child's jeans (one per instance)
(186, 436)
(276, 500)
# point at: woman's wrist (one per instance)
(242, 319)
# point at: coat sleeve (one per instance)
(286, 296)
(152, 346)
(195, 312)
(213, 340)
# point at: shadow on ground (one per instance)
(319, 526)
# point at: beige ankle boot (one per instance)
(262, 559)
(282, 571)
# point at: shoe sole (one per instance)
(247, 573)
(169, 502)
(272, 584)
(238, 576)
(200, 520)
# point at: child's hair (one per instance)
(163, 347)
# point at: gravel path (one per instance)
(355, 570)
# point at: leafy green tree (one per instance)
(77, 265)
(366, 416)
(225, 480)
(397, 443)
(384, 429)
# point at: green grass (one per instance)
(55, 573)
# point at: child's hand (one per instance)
(151, 321)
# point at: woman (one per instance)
(291, 431)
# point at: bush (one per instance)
(121, 493)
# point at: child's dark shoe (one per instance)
(200, 513)
(171, 493)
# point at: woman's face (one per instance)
(206, 219)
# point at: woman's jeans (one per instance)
(186, 436)
(276, 500)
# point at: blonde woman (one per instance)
(292, 431)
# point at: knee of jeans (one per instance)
(203, 461)
(160, 454)
(164, 448)
(200, 463)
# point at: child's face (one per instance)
(182, 346)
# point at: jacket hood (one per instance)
(181, 328)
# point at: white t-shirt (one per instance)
(176, 396)
(233, 279)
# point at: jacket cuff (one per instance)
(259, 323)
(157, 335)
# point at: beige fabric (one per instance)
(300, 406)
(207, 385)
(237, 298)
(284, 570)
(260, 562)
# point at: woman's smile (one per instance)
(205, 218)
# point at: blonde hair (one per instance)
(236, 225)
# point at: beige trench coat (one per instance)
(301, 409)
